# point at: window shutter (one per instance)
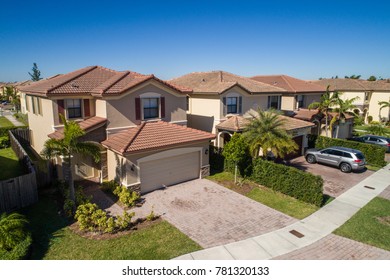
(87, 111)
(61, 110)
(162, 100)
(240, 104)
(224, 105)
(138, 108)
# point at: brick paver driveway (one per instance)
(212, 215)
(335, 181)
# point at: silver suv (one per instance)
(344, 158)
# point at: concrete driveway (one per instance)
(335, 181)
(212, 215)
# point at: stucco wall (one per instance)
(288, 103)
(100, 108)
(374, 106)
(204, 112)
(40, 124)
(121, 112)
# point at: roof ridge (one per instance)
(288, 83)
(86, 70)
(116, 78)
(142, 125)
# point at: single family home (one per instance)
(139, 121)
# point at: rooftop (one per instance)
(93, 80)
(154, 135)
(217, 82)
(290, 84)
(354, 84)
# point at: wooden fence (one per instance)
(20, 191)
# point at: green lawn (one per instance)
(276, 200)
(370, 225)
(4, 122)
(9, 165)
(53, 239)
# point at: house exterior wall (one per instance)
(121, 112)
(125, 169)
(40, 124)
(289, 102)
(101, 108)
(374, 107)
(310, 98)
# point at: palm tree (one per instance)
(12, 230)
(383, 104)
(266, 131)
(343, 107)
(325, 105)
(11, 94)
(68, 146)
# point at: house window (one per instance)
(231, 103)
(187, 103)
(150, 108)
(274, 102)
(73, 107)
(300, 101)
(33, 105)
(366, 96)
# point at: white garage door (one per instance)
(169, 171)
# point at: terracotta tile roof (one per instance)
(239, 123)
(93, 80)
(154, 135)
(87, 125)
(290, 84)
(354, 85)
(310, 115)
(217, 82)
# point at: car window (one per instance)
(336, 153)
(359, 155)
(347, 155)
(327, 151)
(373, 139)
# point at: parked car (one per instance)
(344, 158)
(374, 139)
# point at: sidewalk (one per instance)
(14, 121)
(304, 232)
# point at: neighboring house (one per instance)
(138, 120)
(369, 93)
(16, 85)
(221, 103)
(298, 129)
(218, 95)
(298, 94)
(345, 127)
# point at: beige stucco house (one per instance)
(128, 115)
(368, 92)
(298, 93)
(221, 103)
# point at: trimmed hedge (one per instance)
(19, 252)
(289, 180)
(375, 155)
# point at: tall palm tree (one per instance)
(325, 105)
(383, 104)
(266, 131)
(68, 146)
(342, 108)
(12, 230)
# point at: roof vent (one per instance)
(74, 85)
(203, 80)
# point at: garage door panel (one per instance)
(169, 171)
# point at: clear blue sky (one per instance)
(305, 39)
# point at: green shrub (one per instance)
(288, 180)
(126, 196)
(369, 119)
(109, 186)
(375, 155)
(4, 142)
(19, 252)
(81, 198)
(68, 207)
(152, 216)
(216, 158)
(93, 219)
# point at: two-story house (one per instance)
(369, 93)
(222, 103)
(138, 120)
(299, 93)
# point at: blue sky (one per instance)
(305, 39)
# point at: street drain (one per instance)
(296, 233)
(368, 187)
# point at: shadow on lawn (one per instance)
(44, 224)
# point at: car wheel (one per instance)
(345, 167)
(311, 159)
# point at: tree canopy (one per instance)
(36, 74)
